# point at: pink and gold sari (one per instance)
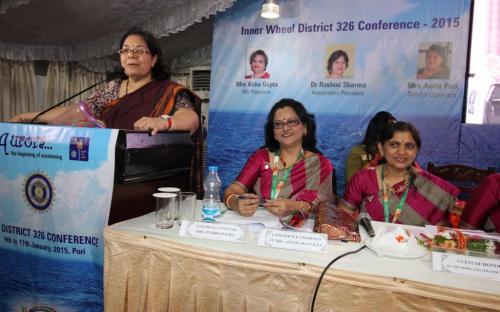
(310, 178)
(429, 198)
(482, 210)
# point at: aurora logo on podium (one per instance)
(39, 191)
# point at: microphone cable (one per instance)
(326, 269)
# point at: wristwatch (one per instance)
(168, 118)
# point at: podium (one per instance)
(61, 186)
(143, 163)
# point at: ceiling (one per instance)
(194, 37)
(69, 24)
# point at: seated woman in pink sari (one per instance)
(288, 173)
(482, 210)
(397, 191)
(143, 99)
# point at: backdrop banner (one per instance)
(389, 49)
(56, 185)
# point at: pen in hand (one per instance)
(261, 202)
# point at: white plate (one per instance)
(414, 253)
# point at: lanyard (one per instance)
(277, 186)
(386, 201)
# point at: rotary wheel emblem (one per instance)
(38, 191)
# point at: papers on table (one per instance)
(231, 227)
(261, 218)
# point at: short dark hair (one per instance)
(400, 126)
(309, 140)
(375, 127)
(335, 56)
(160, 70)
(261, 53)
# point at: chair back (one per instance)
(198, 138)
(334, 187)
(462, 176)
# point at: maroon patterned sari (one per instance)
(153, 99)
(310, 178)
(483, 206)
(429, 198)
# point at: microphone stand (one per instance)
(65, 100)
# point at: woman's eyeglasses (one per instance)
(279, 124)
(136, 51)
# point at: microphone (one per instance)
(365, 220)
(115, 74)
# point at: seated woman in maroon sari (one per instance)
(288, 173)
(396, 191)
(482, 210)
(144, 99)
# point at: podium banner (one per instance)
(56, 185)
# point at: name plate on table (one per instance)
(213, 231)
(455, 263)
(303, 241)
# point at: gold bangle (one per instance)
(304, 205)
(228, 198)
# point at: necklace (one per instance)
(138, 84)
(386, 187)
(278, 185)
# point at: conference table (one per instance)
(147, 269)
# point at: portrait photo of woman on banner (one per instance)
(258, 61)
(434, 60)
(339, 61)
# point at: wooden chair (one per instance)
(196, 176)
(462, 176)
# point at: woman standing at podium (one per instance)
(144, 98)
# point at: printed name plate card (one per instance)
(293, 240)
(484, 267)
(227, 232)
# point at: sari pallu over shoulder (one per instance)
(433, 199)
(482, 210)
(154, 99)
(310, 178)
(429, 198)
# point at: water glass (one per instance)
(176, 191)
(188, 205)
(166, 205)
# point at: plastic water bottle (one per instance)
(211, 197)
